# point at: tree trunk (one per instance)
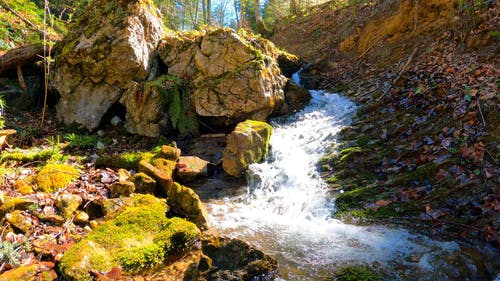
(261, 26)
(209, 12)
(294, 7)
(20, 56)
(236, 12)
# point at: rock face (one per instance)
(111, 46)
(247, 144)
(233, 77)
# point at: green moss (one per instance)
(175, 93)
(356, 273)
(54, 176)
(29, 156)
(137, 239)
(332, 179)
(421, 173)
(347, 153)
(354, 199)
(127, 160)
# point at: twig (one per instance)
(369, 48)
(416, 16)
(480, 111)
(8, 8)
(400, 73)
(20, 77)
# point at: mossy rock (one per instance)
(54, 176)
(185, 202)
(143, 183)
(128, 160)
(8, 204)
(29, 272)
(355, 273)
(138, 240)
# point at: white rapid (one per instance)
(287, 213)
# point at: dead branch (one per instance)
(20, 56)
(8, 8)
(400, 73)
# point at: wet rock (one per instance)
(247, 144)
(67, 204)
(185, 202)
(121, 189)
(191, 167)
(137, 239)
(289, 64)
(111, 45)
(232, 259)
(20, 220)
(296, 98)
(143, 183)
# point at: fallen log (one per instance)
(20, 56)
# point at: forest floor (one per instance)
(424, 149)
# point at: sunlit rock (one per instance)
(111, 45)
(234, 76)
(247, 144)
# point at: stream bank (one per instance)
(423, 150)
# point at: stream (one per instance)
(286, 211)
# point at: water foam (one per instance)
(287, 213)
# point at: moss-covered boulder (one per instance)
(111, 45)
(54, 176)
(234, 76)
(247, 144)
(121, 188)
(143, 183)
(185, 202)
(138, 239)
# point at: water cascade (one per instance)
(287, 211)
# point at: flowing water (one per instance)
(286, 211)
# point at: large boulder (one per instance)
(247, 144)
(233, 76)
(138, 239)
(111, 45)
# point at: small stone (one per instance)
(121, 189)
(123, 175)
(191, 167)
(20, 220)
(162, 176)
(93, 224)
(101, 133)
(67, 204)
(170, 152)
(81, 217)
(115, 121)
(100, 145)
(143, 183)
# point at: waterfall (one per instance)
(287, 212)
